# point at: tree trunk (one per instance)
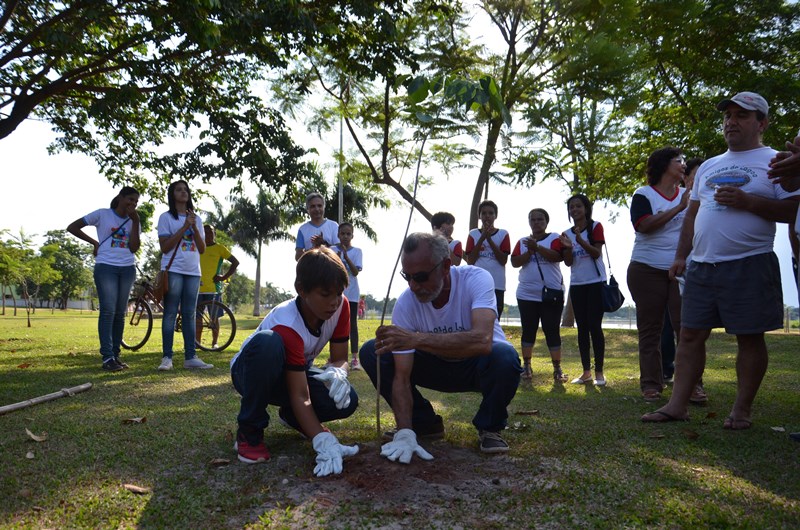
(568, 315)
(483, 178)
(257, 294)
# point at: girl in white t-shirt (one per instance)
(182, 240)
(488, 247)
(583, 243)
(353, 261)
(115, 267)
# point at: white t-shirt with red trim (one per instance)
(302, 345)
(530, 280)
(455, 248)
(470, 288)
(583, 271)
(657, 248)
(486, 258)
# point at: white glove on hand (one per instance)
(330, 453)
(403, 447)
(335, 380)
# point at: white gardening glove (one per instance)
(403, 447)
(330, 453)
(335, 380)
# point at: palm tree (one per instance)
(252, 224)
(359, 198)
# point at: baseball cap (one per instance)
(746, 100)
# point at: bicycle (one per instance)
(211, 315)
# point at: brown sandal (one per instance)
(651, 395)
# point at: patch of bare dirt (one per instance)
(373, 490)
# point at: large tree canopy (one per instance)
(115, 78)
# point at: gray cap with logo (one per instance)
(748, 101)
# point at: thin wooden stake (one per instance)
(64, 392)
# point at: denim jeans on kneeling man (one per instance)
(495, 376)
(259, 376)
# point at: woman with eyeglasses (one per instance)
(657, 212)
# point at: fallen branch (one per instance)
(42, 399)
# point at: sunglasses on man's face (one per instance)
(419, 277)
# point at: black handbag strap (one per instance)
(109, 236)
(608, 258)
(536, 258)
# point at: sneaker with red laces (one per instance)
(251, 452)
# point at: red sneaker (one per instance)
(251, 454)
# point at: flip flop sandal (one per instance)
(730, 424)
(659, 416)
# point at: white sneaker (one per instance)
(196, 363)
(166, 364)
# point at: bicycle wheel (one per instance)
(217, 327)
(138, 324)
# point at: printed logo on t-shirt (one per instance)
(731, 176)
(119, 238)
(455, 328)
(737, 176)
(187, 242)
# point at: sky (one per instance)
(45, 192)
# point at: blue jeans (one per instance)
(259, 377)
(495, 376)
(113, 289)
(182, 292)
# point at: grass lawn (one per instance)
(584, 459)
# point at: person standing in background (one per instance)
(733, 279)
(488, 248)
(181, 237)
(211, 276)
(442, 223)
(657, 211)
(317, 231)
(353, 260)
(118, 233)
(785, 170)
(582, 244)
(538, 257)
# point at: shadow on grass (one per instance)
(583, 459)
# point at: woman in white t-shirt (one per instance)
(115, 267)
(657, 212)
(488, 247)
(182, 240)
(583, 243)
(538, 257)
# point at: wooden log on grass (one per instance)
(42, 399)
